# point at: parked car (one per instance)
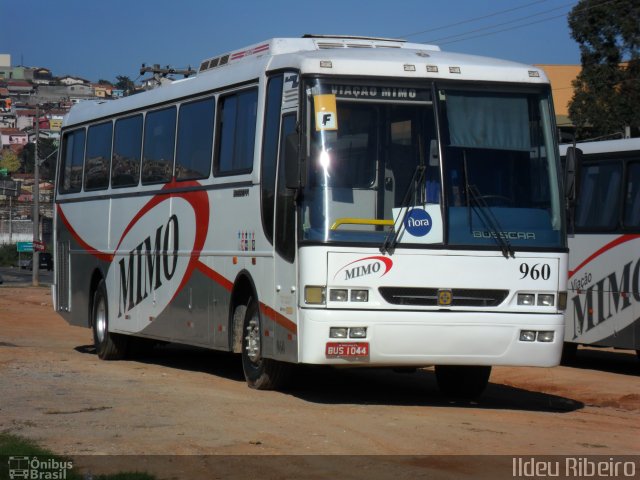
(45, 260)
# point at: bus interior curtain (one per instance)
(480, 120)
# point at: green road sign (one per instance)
(24, 246)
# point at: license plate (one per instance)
(347, 350)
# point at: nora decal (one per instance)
(376, 265)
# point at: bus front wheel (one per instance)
(260, 373)
(109, 346)
(462, 381)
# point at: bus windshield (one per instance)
(390, 164)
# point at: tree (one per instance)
(10, 161)
(125, 84)
(607, 90)
(47, 153)
(102, 81)
(26, 158)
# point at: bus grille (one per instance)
(462, 297)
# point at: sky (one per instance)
(103, 39)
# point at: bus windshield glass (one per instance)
(390, 164)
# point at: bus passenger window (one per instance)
(72, 160)
(195, 140)
(236, 133)
(632, 199)
(598, 205)
(127, 147)
(98, 156)
(159, 143)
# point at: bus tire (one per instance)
(109, 346)
(462, 381)
(260, 373)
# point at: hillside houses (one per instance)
(22, 88)
(30, 97)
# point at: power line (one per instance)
(465, 36)
(604, 2)
(515, 20)
(473, 19)
(515, 27)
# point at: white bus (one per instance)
(322, 200)
(604, 259)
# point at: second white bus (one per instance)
(604, 259)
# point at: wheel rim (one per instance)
(252, 345)
(101, 321)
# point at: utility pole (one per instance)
(35, 275)
(160, 73)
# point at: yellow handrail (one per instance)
(360, 221)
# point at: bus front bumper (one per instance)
(401, 338)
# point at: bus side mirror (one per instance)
(571, 166)
(291, 162)
(571, 176)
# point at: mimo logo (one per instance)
(375, 265)
(418, 222)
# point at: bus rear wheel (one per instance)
(109, 346)
(260, 373)
(462, 381)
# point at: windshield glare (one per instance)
(377, 169)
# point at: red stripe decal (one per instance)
(199, 201)
(278, 318)
(215, 276)
(106, 257)
(264, 309)
(618, 241)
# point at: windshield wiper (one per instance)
(490, 221)
(485, 214)
(391, 239)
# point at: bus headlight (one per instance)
(526, 299)
(359, 295)
(315, 295)
(527, 336)
(545, 336)
(358, 332)
(338, 295)
(338, 332)
(546, 300)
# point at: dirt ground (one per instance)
(184, 401)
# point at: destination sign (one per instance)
(376, 92)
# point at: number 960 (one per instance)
(536, 271)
